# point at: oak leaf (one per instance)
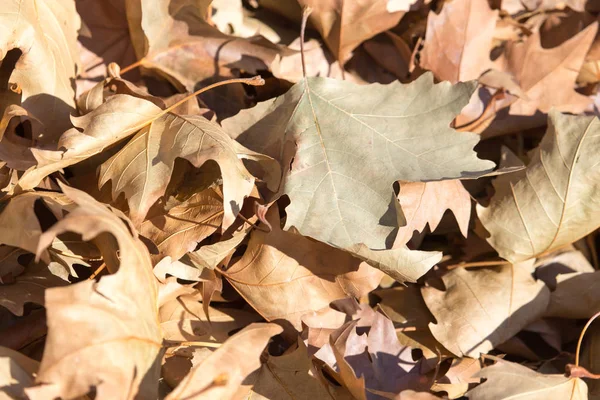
(483, 308)
(548, 204)
(350, 143)
(80, 351)
(220, 374)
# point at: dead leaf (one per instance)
(481, 309)
(16, 373)
(510, 380)
(221, 373)
(458, 41)
(285, 275)
(330, 137)
(78, 315)
(543, 207)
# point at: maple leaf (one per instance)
(548, 205)
(483, 308)
(458, 40)
(79, 314)
(350, 143)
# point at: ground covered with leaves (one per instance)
(299, 199)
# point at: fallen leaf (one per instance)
(16, 373)
(221, 373)
(425, 203)
(331, 137)
(456, 381)
(511, 380)
(547, 76)
(143, 168)
(181, 228)
(483, 308)
(543, 207)
(78, 314)
(575, 295)
(45, 32)
(285, 275)
(458, 41)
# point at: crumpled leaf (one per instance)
(285, 275)
(553, 202)
(143, 168)
(511, 380)
(79, 314)
(333, 129)
(458, 40)
(220, 374)
(483, 308)
(45, 32)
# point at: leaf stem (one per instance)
(132, 66)
(203, 344)
(305, 14)
(587, 325)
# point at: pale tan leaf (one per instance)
(179, 230)
(483, 308)
(508, 380)
(80, 350)
(425, 203)
(458, 41)
(285, 275)
(552, 202)
(221, 373)
(16, 373)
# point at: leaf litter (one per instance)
(375, 199)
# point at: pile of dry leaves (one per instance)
(299, 199)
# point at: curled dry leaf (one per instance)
(511, 380)
(331, 137)
(285, 275)
(459, 40)
(143, 168)
(483, 308)
(45, 32)
(220, 375)
(80, 351)
(546, 206)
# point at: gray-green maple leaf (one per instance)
(554, 201)
(344, 145)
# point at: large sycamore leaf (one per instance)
(285, 275)
(554, 201)
(45, 32)
(220, 375)
(143, 168)
(508, 380)
(484, 308)
(80, 351)
(350, 143)
(458, 41)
